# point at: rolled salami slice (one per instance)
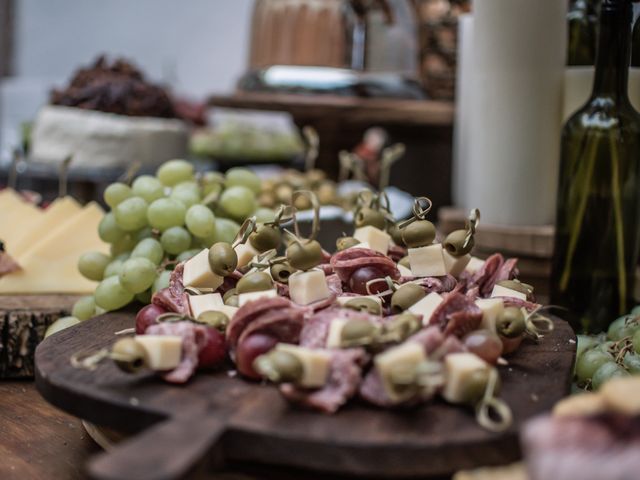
(456, 315)
(229, 282)
(347, 261)
(444, 284)
(344, 379)
(284, 324)
(173, 298)
(249, 312)
(396, 252)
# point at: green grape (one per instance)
(226, 230)
(621, 327)
(200, 221)
(238, 202)
(122, 256)
(204, 242)
(124, 245)
(606, 372)
(113, 269)
(61, 324)
(166, 213)
(589, 362)
(92, 265)
(187, 254)
(211, 182)
(162, 281)
(144, 297)
(108, 229)
(186, 192)
(635, 310)
(149, 248)
(111, 295)
(631, 361)
(585, 342)
(84, 308)
(148, 187)
(243, 177)
(146, 232)
(137, 274)
(635, 340)
(99, 311)
(175, 171)
(264, 215)
(175, 240)
(605, 347)
(116, 193)
(131, 214)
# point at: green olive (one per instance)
(327, 193)
(364, 304)
(232, 300)
(396, 234)
(357, 332)
(254, 282)
(129, 355)
(266, 237)
(455, 243)
(511, 323)
(419, 233)
(302, 202)
(279, 366)
(217, 320)
(517, 285)
(315, 176)
(407, 295)
(283, 193)
(343, 243)
(474, 387)
(402, 327)
(229, 293)
(304, 255)
(223, 259)
(404, 261)
(281, 272)
(369, 217)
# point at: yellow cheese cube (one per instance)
(460, 370)
(427, 261)
(455, 265)
(198, 274)
(500, 291)
(406, 356)
(162, 352)
(426, 306)
(376, 238)
(404, 271)
(334, 338)
(204, 303)
(316, 364)
(474, 265)
(491, 308)
(308, 287)
(251, 296)
(245, 254)
(228, 310)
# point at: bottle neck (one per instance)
(613, 51)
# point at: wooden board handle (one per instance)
(168, 451)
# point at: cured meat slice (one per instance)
(194, 339)
(508, 270)
(442, 284)
(347, 261)
(173, 298)
(229, 282)
(284, 324)
(456, 315)
(396, 253)
(485, 278)
(249, 312)
(343, 382)
(517, 302)
(334, 284)
(430, 338)
(316, 328)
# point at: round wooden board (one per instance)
(217, 415)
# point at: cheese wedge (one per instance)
(251, 296)
(406, 356)
(427, 261)
(334, 338)
(246, 253)
(491, 308)
(16, 217)
(205, 303)
(56, 215)
(315, 364)
(463, 371)
(162, 352)
(308, 287)
(455, 265)
(198, 274)
(376, 238)
(426, 306)
(51, 266)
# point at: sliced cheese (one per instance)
(427, 261)
(500, 291)
(426, 306)
(343, 300)
(251, 296)
(245, 252)
(407, 356)
(404, 271)
(162, 352)
(474, 265)
(462, 371)
(334, 337)
(56, 215)
(197, 272)
(16, 217)
(228, 310)
(455, 265)
(308, 287)
(376, 238)
(205, 303)
(316, 364)
(491, 308)
(51, 265)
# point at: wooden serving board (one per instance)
(217, 416)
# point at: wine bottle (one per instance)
(635, 45)
(582, 23)
(597, 237)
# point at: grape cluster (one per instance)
(159, 221)
(615, 353)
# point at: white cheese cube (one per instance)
(500, 291)
(491, 308)
(427, 261)
(455, 265)
(316, 364)
(408, 355)
(308, 287)
(162, 352)
(404, 271)
(376, 238)
(197, 272)
(228, 310)
(251, 296)
(426, 306)
(361, 245)
(245, 252)
(204, 303)
(334, 338)
(343, 300)
(459, 370)
(474, 265)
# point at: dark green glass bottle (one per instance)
(635, 45)
(582, 21)
(597, 240)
